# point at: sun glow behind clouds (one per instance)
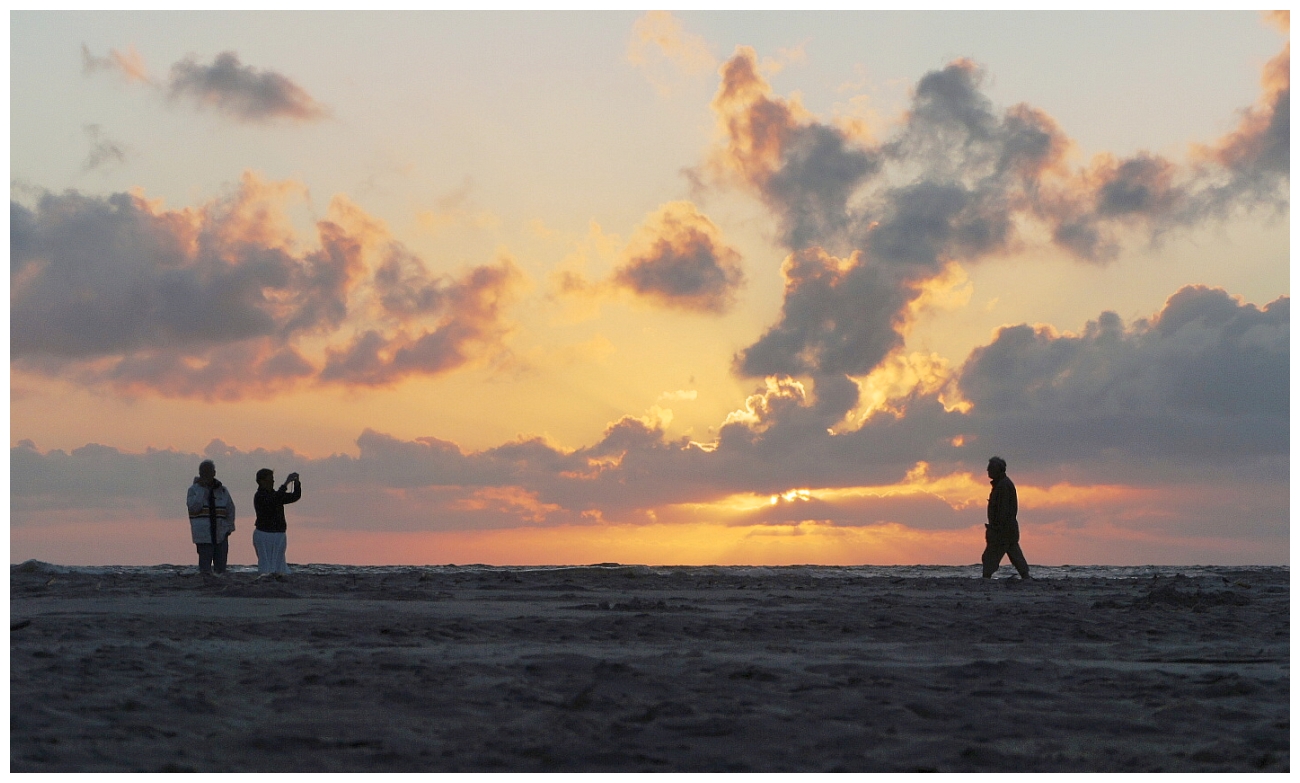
(504, 301)
(853, 507)
(660, 544)
(958, 490)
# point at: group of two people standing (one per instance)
(212, 520)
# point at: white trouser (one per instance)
(270, 552)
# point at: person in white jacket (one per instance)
(212, 518)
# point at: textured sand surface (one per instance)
(630, 668)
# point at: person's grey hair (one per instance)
(207, 462)
(999, 463)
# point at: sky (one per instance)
(666, 288)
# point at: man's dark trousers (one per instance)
(999, 543)
(213, 558)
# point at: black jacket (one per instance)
(1003, 506)
(270, 507)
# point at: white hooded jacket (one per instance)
(197, 501)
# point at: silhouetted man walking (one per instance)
(1002, 533)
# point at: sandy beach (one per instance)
(647, 669)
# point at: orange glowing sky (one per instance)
(689, 288)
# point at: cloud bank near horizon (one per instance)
(1110, 417)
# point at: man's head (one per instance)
(207, 470)
(997, 467)
(265, 478)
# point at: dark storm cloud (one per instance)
(678, 259)
(241, 91)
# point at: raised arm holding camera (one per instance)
(270, 537)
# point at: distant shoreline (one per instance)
(1058, 570)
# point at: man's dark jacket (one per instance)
(1002, 510)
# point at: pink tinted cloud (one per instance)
(130, 65)
(468, 323)
(1259, 149)
(678, 259)
(215, 302)
(662, 48)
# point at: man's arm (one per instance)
(195, 498)
(1002, 506)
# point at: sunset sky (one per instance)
(688, 288)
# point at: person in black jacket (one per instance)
(1002, 532)
(269, 536)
